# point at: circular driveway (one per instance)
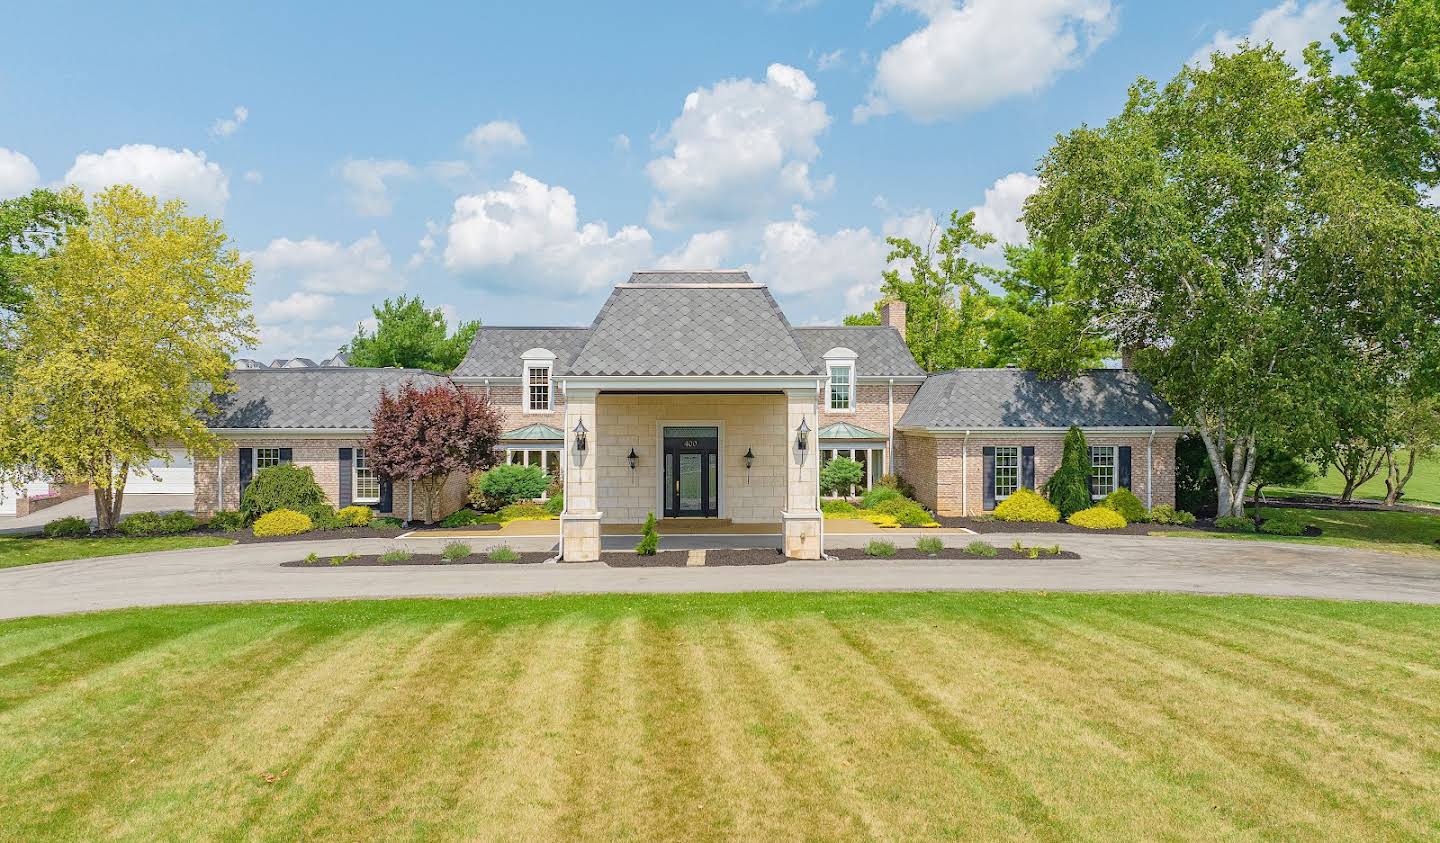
(1109, 563)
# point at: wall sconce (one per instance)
(802, 438)
(580, 435)
(749, 458)
(632, 458)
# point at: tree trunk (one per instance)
(1395, 480)
(1357, 465)
(1231, 480)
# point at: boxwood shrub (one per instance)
(227, 521)
(1283, 524)
(1026, 505)
(878, 495)
(155, 524)
(71, 527)
(1164, 513)
(507, 483)
(1235, 524)
(1124, 502)
(1097, 518)
(282, 522)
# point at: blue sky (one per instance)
(511, 161)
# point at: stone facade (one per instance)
(950, 483)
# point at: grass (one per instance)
(1401, 532)
(1423, 488)
(708, 717)
(25, 550)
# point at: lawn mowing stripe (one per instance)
(1417, 641)
(49, 670)
(277, 729)
(17, 644)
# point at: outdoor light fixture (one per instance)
(749, 458)
(580, 435)
(802, 440)
(632, 458)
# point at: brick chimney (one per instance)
(892, 314)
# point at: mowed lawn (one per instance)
(1423, 488)
(816, 716)
(1411, 533)
(28, 550)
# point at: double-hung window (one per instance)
(1102, 476)
(367, 482)
(266, 457)
(1007, 471)
(840, 388)
(537, 379)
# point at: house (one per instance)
(692, 396)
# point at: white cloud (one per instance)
(706, 250)
(795, 258)
(533, 230)
(18, 174)
(157, 170)
(224, 127)
(254, 176)
(299, 339)
(621, 142)
(325, 266)
(1290, 26)
(298, 306)
(970, 55)
(830, 60)
(739, 149)
(494, 136)
(369, 195)
(1004, 201)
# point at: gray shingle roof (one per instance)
(712, 276)
(979, 398)
(495, 353)
(718, 330)
(316, 398)
(881, 350)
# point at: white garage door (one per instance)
(177, 478)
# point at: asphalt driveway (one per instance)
(1111, 563)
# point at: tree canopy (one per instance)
(410, 335)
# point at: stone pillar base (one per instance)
(802, 534)
(580, 536)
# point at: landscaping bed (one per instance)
(337, 534)
(743, 556)
(430, 560)
(991, 525)
(959, 553)
(662, 559)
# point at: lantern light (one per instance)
(802, 440)
(580, 435)
(749, 458)
(633, 457)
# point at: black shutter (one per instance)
(989, 489)
(286, 456)
(1122, 468)
(346, 495)
(1027, 468)
(387, 495)
(247, 467)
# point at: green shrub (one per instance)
(284, 486)
(837, 506)
(503, 553)
(72, 527)
(227, 521)
(469, 518)
(324, 518)
(355, 516)
(1069, 487)
(455, 551)
(507, 483)
(395, 555)
(1166, 514)
(898, 483)
(839, 475)
(877, 495)
(649, 539)
(1235, 524)
(1124, 502)
(526, 511)
(905, 511)
(385, 522)
(312, 558)
(985, 549)
(880, 549)
(1286, 524)
(341, 560)
(929, 545)
(155, 524)
(1024, 505)
(282, 522)
(555, 504)
(1097, 518)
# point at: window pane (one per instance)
(840, 388)
(552, 464)
(539, 389)
(1102, 479)
(1007, 471)
(367, 483)
(266, 457)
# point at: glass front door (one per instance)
(692, 476)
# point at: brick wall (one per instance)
(508, 397)
(872, 409)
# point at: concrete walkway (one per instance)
(1110, 563)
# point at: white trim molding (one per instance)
(957, 432)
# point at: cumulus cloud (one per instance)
(224, 127)
(532, 230)
(325, 266)
(1000, 213)
(254, 176)
(157, 170)
(299, 306)
(1290, 26)
(830, 60)
(739, 149)
(495, 135)
(621, 142)
(974, 53)
(795, 258)
(18, 174)
(300, 339)
(366, 179)
(706, 250)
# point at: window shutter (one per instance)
(1122, 467)
(1027, 468)
(286, 456)
(247, 468)
(387, 495)
(346, 476)
(989, 487)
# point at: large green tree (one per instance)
(1041, 322)
(411, 336)
(30, 227)
(1225, 223)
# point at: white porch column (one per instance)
(801, 517)
(580, 522)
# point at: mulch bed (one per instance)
(663, 559)
(989, 525)
(247, 537)
(738, 557)
(428, 560)
(850, 553)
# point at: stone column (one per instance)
(802, 517)
(580, 523)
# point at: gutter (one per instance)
(890, 431)
(1150, 470)
(964, 477)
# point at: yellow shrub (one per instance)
(355, 516)
(1025, 505)
(1098, 518)
(282, 522)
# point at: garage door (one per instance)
(177, 478)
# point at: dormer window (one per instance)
(840, 387)
(538, 382)
(840, 379)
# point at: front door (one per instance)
(692, 472)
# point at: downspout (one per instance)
(1150, 470)
(818, 390)
(964, 477)
(220, 482)
(890, 432)
(565, 471)
(409, 501)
